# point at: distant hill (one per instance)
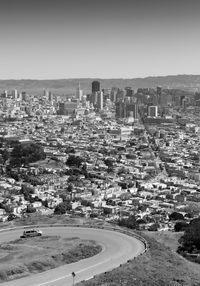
(68, 86)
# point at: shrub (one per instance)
(3, 275)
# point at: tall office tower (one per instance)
(14, 94)
(132, 110)
(158, 90)
(106, 94)
(184, 103)
(182, 97)
(24, 95)
(61, 108)
(153, 111)
(88, 96)
(113, 95)
(50, 96)
(120, 94)
(165, 99)
(100, 100)
(20, 96)
(4, 94)
(46, 94)
(95, 86)
(129, 91)
(125, 109)
(84, 100)
(120, 109)
(159, 94)
(79, 92)
(93, 98)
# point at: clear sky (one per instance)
(50, 39)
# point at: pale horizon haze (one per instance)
(50, 39)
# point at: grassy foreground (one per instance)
(23, 257)
(160, 266)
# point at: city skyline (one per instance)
(98, 39)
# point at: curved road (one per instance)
(117, 249)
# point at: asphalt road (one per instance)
(117, 249)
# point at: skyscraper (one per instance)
(24, 95)
(129, 91)
(79, 92)
(95, 86)
(153, 111)
(50, 96)
(45, 94)
(14, 94)
(125, 109)
(100, 100)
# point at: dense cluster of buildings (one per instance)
(139, 154)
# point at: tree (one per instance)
(69, 149)
(74, 161)
(176, 216)
(45, 203)
(141, 221)
(5, 155)
(180, 226)
(62, 208)
(154, 227)
(86, 203)
(62, 129)
(189, 215)
(27, 191)
(84, 170)
(129, 222)
(109, 163)
(93, 215)
(25, 154)
(190, 241)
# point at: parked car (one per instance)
(31, 233)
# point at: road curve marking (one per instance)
(65, 276)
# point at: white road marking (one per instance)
(82, 270)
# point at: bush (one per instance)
(41, 265)
(16, 270)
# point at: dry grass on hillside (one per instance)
(160, 266)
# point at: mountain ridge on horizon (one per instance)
(101, 78)
(68, 86)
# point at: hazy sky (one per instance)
(44, 39)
